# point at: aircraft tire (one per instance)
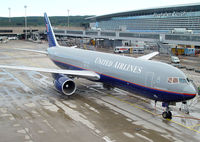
(164, 115)
(167, 115)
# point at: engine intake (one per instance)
(65, 85)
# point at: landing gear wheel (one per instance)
(167, 115)
(164, 115)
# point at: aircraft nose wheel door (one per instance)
(149, 79)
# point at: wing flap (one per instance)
(77, 73)
(148, 56)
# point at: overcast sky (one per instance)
(80, 7)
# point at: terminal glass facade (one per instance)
(154, 22)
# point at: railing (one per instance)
(183, 37)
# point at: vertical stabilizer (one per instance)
(50, 34)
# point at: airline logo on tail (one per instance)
(50, 34)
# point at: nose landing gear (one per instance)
(167, 113)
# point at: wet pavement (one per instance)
(31, 110)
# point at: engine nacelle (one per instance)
(64, 84)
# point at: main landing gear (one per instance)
(167, 113)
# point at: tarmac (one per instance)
(31, 110)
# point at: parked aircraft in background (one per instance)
(151, 79)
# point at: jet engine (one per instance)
(64, 84)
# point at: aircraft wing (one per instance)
(30, 50)
(73, 46)
(77, 73)
(148, 56)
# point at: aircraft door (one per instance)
(149, 79)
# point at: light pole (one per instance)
(9, 9)
(25, 20)
(68, 17)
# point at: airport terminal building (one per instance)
(161, 19)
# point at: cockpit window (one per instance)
(182, 80)
(170, 80)
(175, 80)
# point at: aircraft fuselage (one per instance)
(144, 77)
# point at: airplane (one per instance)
(144, 77)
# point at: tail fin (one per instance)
(50, 34)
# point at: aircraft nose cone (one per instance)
(194, 88)
(190, 89)
(190, 92)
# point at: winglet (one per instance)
(50, 34)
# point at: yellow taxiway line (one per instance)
(190, 128)
(121, 100)
(195, 126)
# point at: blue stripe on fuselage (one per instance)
(150, 93)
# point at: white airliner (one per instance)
(151, 79)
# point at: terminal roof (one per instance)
(169, 9)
